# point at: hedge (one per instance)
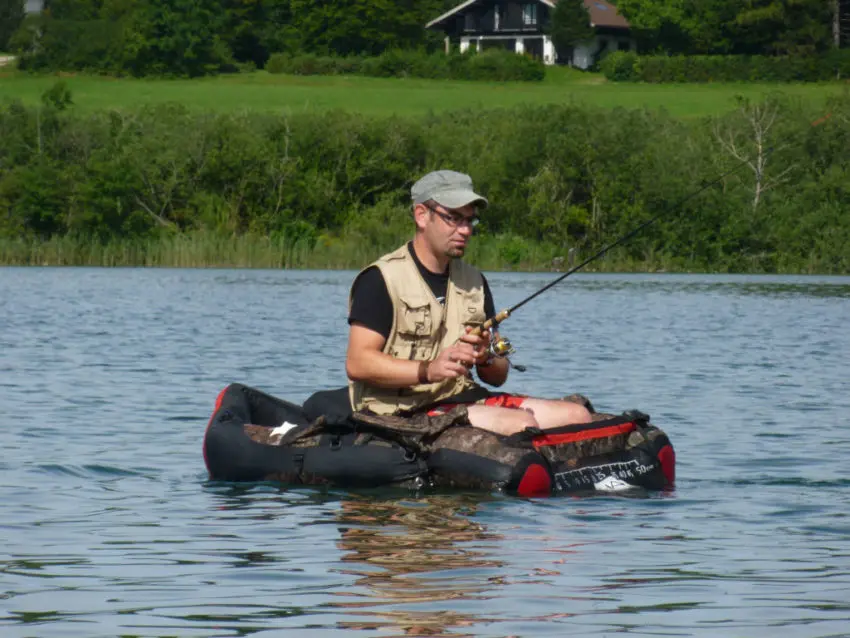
(623, 66)
(495, 65)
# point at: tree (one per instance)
(757, 27)
(174, 37)
(786, 27)
(11, 16)
(348, 27)
(754, 149)
(570, 26)
(683, 26)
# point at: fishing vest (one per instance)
(421, 328)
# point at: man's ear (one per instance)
(420, 215)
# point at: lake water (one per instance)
(110, 526)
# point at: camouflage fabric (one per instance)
(418, 432)
(481, 443)
(298, 437)
(414, 433)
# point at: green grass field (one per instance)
(261, 91)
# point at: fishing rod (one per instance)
(499, 317)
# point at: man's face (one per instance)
(449, 229)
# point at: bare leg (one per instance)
(540, 413)
(500, 420)
(551, 413)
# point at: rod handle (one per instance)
(491, 322)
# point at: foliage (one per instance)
(360, 27)
(754, 27)
(58, 96)
(11, 17)
(197, 37)
(559, 179)
(789, 27)
(496, 65)
(629, 67)
(174, 37)
(570, 25)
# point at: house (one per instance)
(520, 26)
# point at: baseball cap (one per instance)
(448, 188)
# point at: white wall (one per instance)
(584, 53)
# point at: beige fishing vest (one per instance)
(421, 328)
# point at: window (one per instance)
(529, 14)
(496, 18)
(469, 22)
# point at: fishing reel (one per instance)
(503, 348)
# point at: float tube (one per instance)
(253, 436)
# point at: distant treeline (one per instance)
(568, 177)
(734, 27)
(197, 37)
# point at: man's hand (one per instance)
(480, 345)
(452, 362)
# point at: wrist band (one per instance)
(423, 371)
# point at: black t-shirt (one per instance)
(371, 304)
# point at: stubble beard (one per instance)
(455, 252)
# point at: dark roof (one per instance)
(602, 13)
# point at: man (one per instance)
(411, 343)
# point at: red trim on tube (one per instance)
(536, 481)
(583, 435)
(667, 459)
(218, 401)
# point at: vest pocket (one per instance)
(414, 325)
(415, 317)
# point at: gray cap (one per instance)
(448, 188)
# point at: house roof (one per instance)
(602, 13)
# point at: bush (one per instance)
(565, 176)
(46, 44)
(505, 66)
(494, 65)
(620, 66)
(277, 63)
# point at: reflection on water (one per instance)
(411, 552)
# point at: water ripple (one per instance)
(111, 527)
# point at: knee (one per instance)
(524, 419)
(510, 421)
(579, 413)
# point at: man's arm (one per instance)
(366, 362)
(495, 372)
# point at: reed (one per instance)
(202, 249)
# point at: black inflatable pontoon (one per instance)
(253, 436)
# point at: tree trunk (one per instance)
(836, 23)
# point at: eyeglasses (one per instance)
(455, 219)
